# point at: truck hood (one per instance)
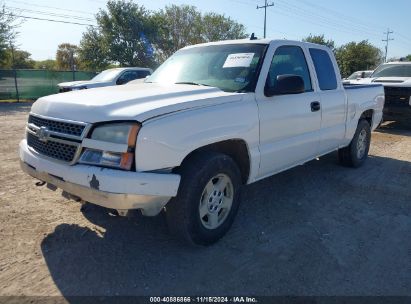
(84, 83)
(130, 102)
(388, 81)
(391, 79)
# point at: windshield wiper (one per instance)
(193, 83)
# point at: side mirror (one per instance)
(286, 84)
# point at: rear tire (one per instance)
(207, 200)
(356, 153)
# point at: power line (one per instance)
(387, 40)
(50, 20)
(51, 7)
(11, 8)
(318, 19)
(265, 14)
(315, 18)
(343, 17)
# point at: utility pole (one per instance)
(14, 71)
(265, 14)
(387, 40)
(72, 64)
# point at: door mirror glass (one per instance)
(286, 84)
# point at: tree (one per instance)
(217, 27)
(22, 60)
(66, 56)
(93, 55)
(355, 56)
(17, 59)
(7, 34)
(48, 64)
(124, 35)
(408, 57)
(129, 35)
(319, 39)
(179, 26)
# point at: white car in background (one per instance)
(357, 76)
(110, 77)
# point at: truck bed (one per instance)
(369, 96)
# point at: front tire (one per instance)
(357, 152)
(207, 200)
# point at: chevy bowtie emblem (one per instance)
(43, 134)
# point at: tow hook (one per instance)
(40, 183)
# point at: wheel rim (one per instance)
(216, 201)
(361, 144)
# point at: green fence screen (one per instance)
(32, 84)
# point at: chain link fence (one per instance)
(32, 84)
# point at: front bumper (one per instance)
(115, 189)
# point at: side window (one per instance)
(126, 77)
(289, 60)
(325, 69)
(143, 74)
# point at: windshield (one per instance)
(107, 75)
(393, 70)
(230, 67)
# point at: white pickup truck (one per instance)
(212, 118)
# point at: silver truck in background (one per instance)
(396, 79)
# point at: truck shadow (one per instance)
(400, 127)
(316, 229)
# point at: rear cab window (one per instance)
(324, 68)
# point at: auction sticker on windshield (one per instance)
(238, 60)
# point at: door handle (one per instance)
(315, 106)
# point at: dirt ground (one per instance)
(318, 229)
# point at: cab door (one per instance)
(289, 123)
(333, 101)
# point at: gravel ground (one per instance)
(318, 229)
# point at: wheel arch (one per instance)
(368, 115)
(237, 149)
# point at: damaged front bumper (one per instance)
(110, 188)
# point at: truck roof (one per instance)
(257, 41)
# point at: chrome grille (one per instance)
(67, 128)
(53, 149)
(56, 138)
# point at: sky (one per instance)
(341, 21)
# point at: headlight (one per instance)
(117, 134)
